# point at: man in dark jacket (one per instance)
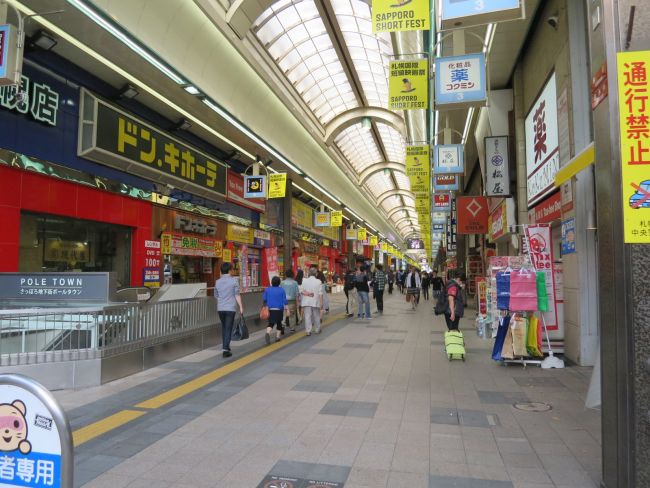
(456, 307)
(350, 293)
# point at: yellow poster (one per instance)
(384, 247)
(301, 215)
(400, 15)
(166, 243)
(218, 249)
(373, 240)
(361, 234)
(277, 185)
(239, 233)
(418, 168)
(322, 219)
(408, 85)
(336, 218)
(633, 89)
(227, 255)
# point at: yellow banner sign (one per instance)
(418, 168)
(361, 234)
(227, 255)
(238, 233)
(218, 249)
(373, 240)
(277, 185)
(633, 88)
(384, 247)
(336, 218)
(400, 15)
(408, 85)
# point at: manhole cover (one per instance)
(533, 407)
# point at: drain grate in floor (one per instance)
(533, 406)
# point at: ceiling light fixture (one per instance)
(192, 90)
(129, 92)
(489, 36)
(323, 190)
(366, 124)
(468, 124)
(43, 40)
(182, 124)
(308, 193)
(353, 214)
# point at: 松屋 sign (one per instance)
(460, 81)
(542, 144)
(408, 85)
(496, 164)
(400, 15)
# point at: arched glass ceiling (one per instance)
(380, 183)
(402, 180)
(393, 143)
(358, 146)
(294, 35)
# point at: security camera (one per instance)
(553, 21)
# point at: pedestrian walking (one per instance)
(390, 276)
(363, 291)
(326, 298)
(311, 300)
(275, 298)
(413, 284)
(379, 283)
(437, 284)
(350, 291)
(226, 291)
(456, 307)
(299, 276)
(290, 287)
(426, 282)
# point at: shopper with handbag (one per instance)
(311, 299)
(275, 299)
(413, 284)
(226, 291)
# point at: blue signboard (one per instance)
(5, 31)
(439, 218)
(461, 80)
(569, 236)
(453, 9)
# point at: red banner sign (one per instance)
(547, 211)
(472, 215)
(441, 201)
(235, 193)
(540, 249)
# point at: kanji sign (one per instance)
(39, 101)
(151, 272)
(322, 219)
(255, 186)
(472, 215)
(400, 15)
(497, 166)
(634, 107)
(408, 85)
(277, 185)
(542, 144)
(460, 80)
(361, 234)
(124, 142)
(187, 245)
(449, 159)
(417, 168)
(540, 249)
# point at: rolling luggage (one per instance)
(455, 345)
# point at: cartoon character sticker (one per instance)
(13, 428)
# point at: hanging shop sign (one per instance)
(187, 245)
(277, 185)
(373, 240)
(472, 215)
(361, 234)
(460, 81)
(540, 249)
(236, 193)
(384, 247)
(633, 86)
(351, 234)
(301, 215)
(400, 16)
(38, 100)
(261, 238)
(456, 14)
(93, 286)
(218, 249)
(272, 262)
(445, 183)
(408, 85)
(322, 219)
(227, 256)
(255, 186)
(542, 144)
(8, 54)
(498, 224)
(439, 218)
(497, 166)
(336, 218)
(451, 234)
(111, 137)
(414, 244)
(151, 271)
(547, 211)
(441, 202)
(569, 236)
(449, 159)
(239, 233)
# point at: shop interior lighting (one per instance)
(192, 90)
(126, 39)
(468, 124)
(323, 190)
(44, 40)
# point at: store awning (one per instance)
(577, 164)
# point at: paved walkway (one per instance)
(368, 403)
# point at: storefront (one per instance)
(313, 245)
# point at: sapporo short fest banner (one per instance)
(400, 15)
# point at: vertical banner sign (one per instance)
(460, 81)
(151, 271)
(633, 88)
(336, 218)
(255, 186)
(227, 255)
(277, 185)
(497, 166)
(321, 219)
(542, 144)
(449, 159)
(272, 262)
(399, 16)
(473, 215)
(540, 249)
(361, 234)
(569, 236)
(408, 85)
(373, 240)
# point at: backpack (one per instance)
(349, 281)
(442, 304)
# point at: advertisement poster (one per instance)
(336, 218)
(272, 262)
(322, 219)
(472, 215)
(255, 186)
(361, 234)
(277, 185)
(569, 236)
(400, 16)
(243, 266)
(541, 255)
(408, 85)
(236, 193)
(151, 278)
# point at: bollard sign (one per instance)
(36, 441)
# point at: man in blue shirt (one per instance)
(290, 287)
(226, 291)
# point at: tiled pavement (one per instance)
(365, 404)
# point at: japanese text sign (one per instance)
(417, 168)
(131, 145)
(151, 272)
(55, 286)
(187, 245)
(633, 92)
(277, 185)
(255, 186)
(336, 218)
(569, 236)
(40, 101)
(398, 16)
(540, 249)
(472, 215)
(497, 166)
(439, 218)
(227, 255)
(408, 85)
(361, 234)
(373, 240)
(460, 80)
(449, 159)
(467, 13)
(322, 219)
(236, 193)
(239, 233)
(442, 202)
(445, 182)
(542, 144)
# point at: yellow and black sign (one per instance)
(361, 234)
(277, 185)
(336, 218)
(254, 186)
(373, 240)
(408, 85)
(400, 15)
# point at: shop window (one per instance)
(49, 243)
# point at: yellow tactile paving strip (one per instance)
(122, 417)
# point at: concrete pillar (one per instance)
(286, 225)
(520, 143)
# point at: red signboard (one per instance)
(541, 254)
(235, 193)
(441, 201)
(599, 90)
(472, 215)
(547, 211)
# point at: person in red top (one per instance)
(455, 299)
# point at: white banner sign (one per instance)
(497, 166)
(540, 248)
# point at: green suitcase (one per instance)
(455, 345)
